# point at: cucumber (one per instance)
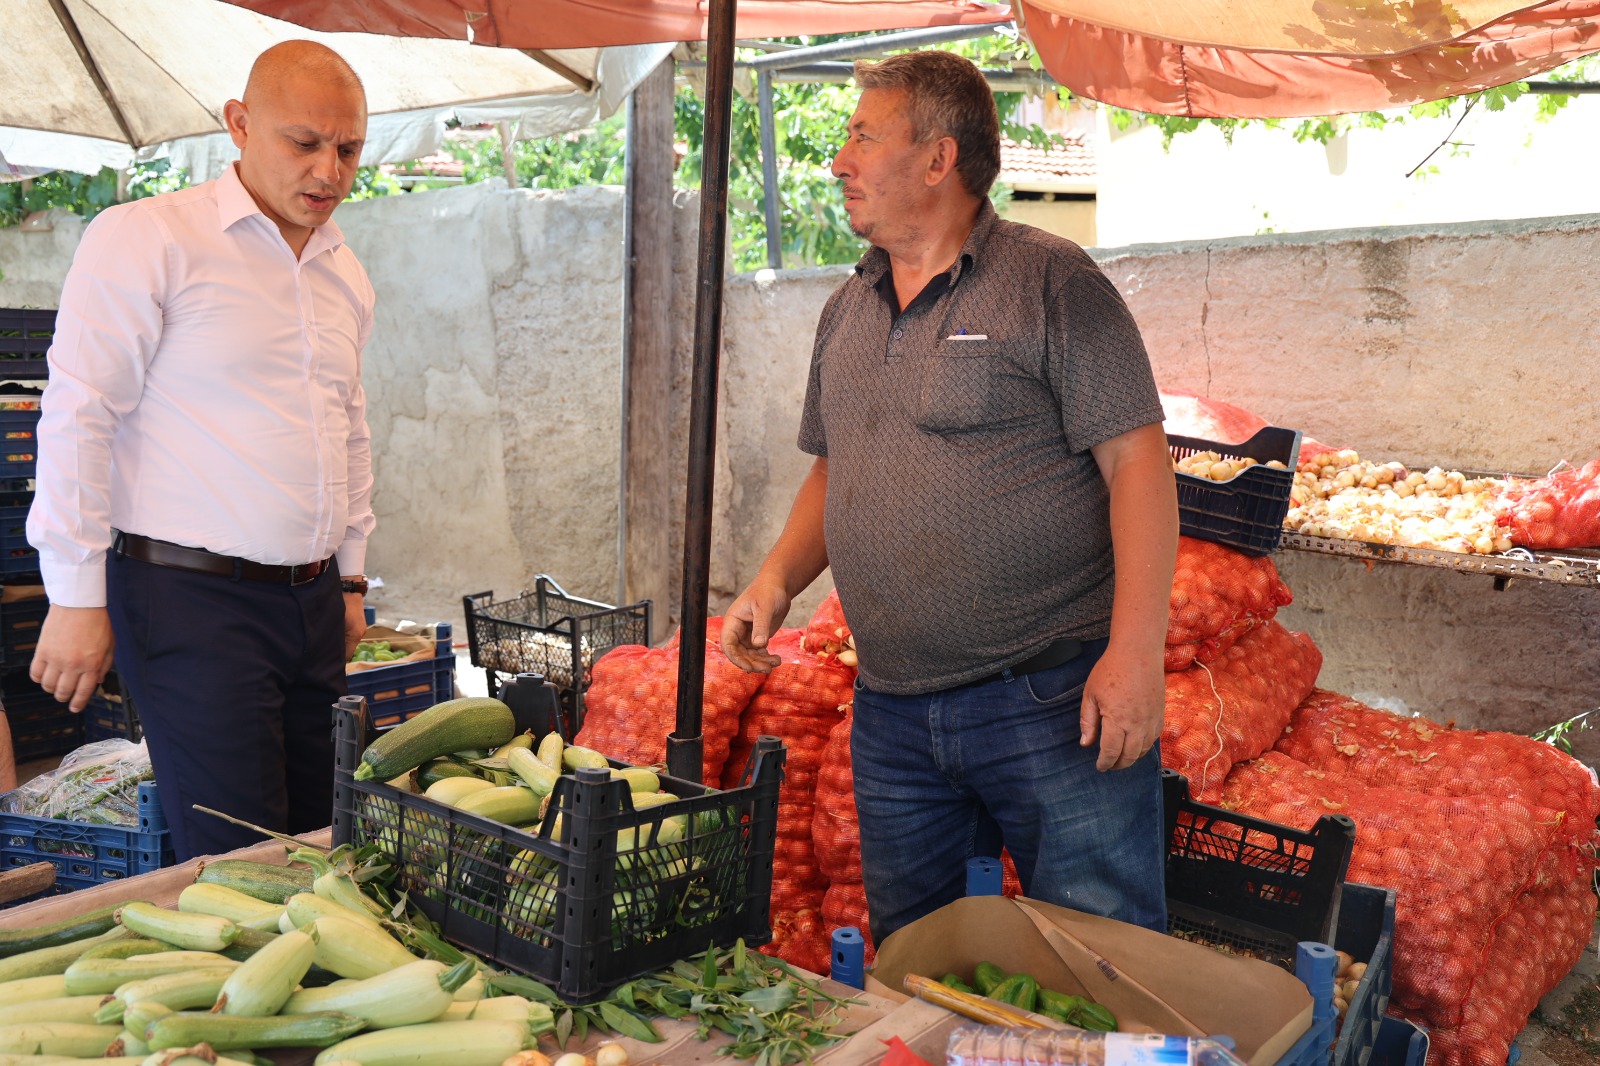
(263, 880)
(93, 923)
(454, 725)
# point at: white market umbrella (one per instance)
(92, 83)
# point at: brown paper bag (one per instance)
(416, 646)
(1151, 982)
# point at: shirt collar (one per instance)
(234, 202)
(875, 264)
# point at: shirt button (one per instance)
(897, 333)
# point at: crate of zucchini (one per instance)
(600, 888)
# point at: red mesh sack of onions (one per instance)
(1189, 415)
(1235, 707)
(1462, 865)
(800, 704)
(632, 704)
(1535, 945)
(1375, 747)
(1218, 595)
(845, 903)
(1559, 511)
(835, 831)
(799, 936)
(828, 634)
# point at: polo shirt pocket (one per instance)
(970, 385)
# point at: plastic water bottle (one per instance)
(996, 1045)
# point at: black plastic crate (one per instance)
(1249, 885)
(25, 335)
(1247, 511)
(547, 631)
(579, 907)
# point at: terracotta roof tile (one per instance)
(1070, 163)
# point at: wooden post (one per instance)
(649, 472)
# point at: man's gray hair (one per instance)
(949, 97)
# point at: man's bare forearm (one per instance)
(1144, 535)
(801, 552)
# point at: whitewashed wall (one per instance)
(494, 378)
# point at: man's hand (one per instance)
(73, 654)
(750, 622)
(1124, 702)
(355, 623)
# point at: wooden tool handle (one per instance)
(978, 1008)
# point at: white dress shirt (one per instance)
(205, 389)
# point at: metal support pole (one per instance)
(769, 172)
(685, 746)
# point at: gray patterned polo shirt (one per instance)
(967, 523)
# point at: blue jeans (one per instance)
(945, 776)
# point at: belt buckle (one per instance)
(311, 571)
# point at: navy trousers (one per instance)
(234, 682)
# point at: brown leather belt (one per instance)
(1056, 653)
(200, 561)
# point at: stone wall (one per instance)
(494, 379)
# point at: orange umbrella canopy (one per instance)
(1289, 58)
(1202, 58)
(541, 24)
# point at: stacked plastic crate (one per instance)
(40, 726)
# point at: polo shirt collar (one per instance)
(875, 264)
(234, 202)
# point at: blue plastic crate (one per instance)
(40, 726)
(1366, 932)
(1400, 1043)
(86, 855)
(25, 335)
(19, 437)
(400, 691)
(17, 556)
(110, 717)
(20, 623)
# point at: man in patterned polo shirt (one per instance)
(988, 439)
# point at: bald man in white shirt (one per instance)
(205, 468)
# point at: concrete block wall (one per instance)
(494, 383)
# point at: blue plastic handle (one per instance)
(849, 956)
(983, 876)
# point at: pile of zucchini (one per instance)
(254, 956)
(466, 754)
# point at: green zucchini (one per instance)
(127, 948)
(226, 1032)
(63, 1009)
(17, 941)
(192, 932)
(75, 1039)
(509, 805)
(42, 962)
(436, 770)
(106, 975)
(263, 880)
(30, 989)
(454, 725)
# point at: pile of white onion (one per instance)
(1338, 494)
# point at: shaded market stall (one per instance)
(1281, 58)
